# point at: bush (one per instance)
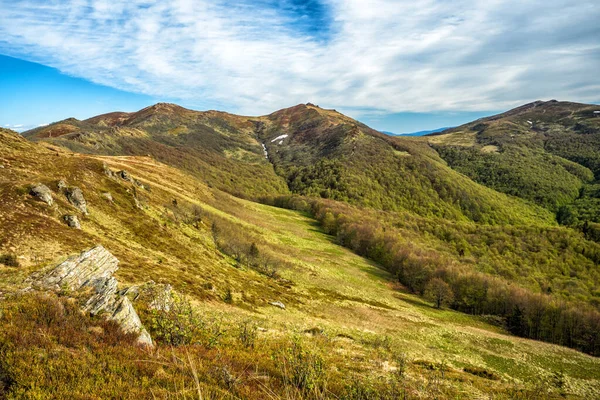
(10, 260)
(176, 325)
(301, 367)
(481, 372)
(247, 334)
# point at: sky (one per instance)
(399, 66)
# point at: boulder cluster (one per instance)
(91, 274)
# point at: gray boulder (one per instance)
(108, 171)
(72, 221)
(278, 304)
(62, 185)
(108, 196)
(92, 271)
(75, 197)
(42, 193)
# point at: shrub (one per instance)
(176, 326)
(481, 372)
(247, 334)
(10, 260)
(301, 367)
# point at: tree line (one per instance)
(538, 316)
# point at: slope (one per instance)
(216, 147)
(544, 151)
(344, 317)
(326, 154)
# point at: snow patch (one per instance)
(265, 150)
(280, 138)
(596, 112)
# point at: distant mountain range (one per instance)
(419, 133)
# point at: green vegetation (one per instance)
(276, 303)
(542, 178)
(433, 273)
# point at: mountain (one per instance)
(544, 152)
(309, 256)
(217, 147)
(314, 152)
(419, 133)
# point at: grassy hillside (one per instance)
(544, 151)
(329, 155)
(216, 147)
(348, 330)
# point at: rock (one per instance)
(72, 221)
(105, 289)
(80, 271)
(137, 203)
(42, 193)
(108, 196)
(107, 171)
(1, 166)
(139, 184)
(124, 314)
(93, 271)
(75, 197)
(278, 304)
(125, 176)
(62, 185)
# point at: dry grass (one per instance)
(340, 307)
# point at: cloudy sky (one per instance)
(397, 65)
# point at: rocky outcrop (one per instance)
(75, 197)
(92, 271)
(42, 193)
(72, 221)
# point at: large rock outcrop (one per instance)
(93, 271)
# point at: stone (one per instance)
(107, 171)
(278, 304)
(80, 271)
(62, 185)
(42, 193)
(108, 196)
(124, 314)
(93, 271)
(75, 197)
(72, 221)
(125, 176)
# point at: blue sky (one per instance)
(396, 65)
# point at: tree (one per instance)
(439, 292)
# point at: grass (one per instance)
(363, 318)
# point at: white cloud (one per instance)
(381, 55)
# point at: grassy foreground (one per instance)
(347, 332)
